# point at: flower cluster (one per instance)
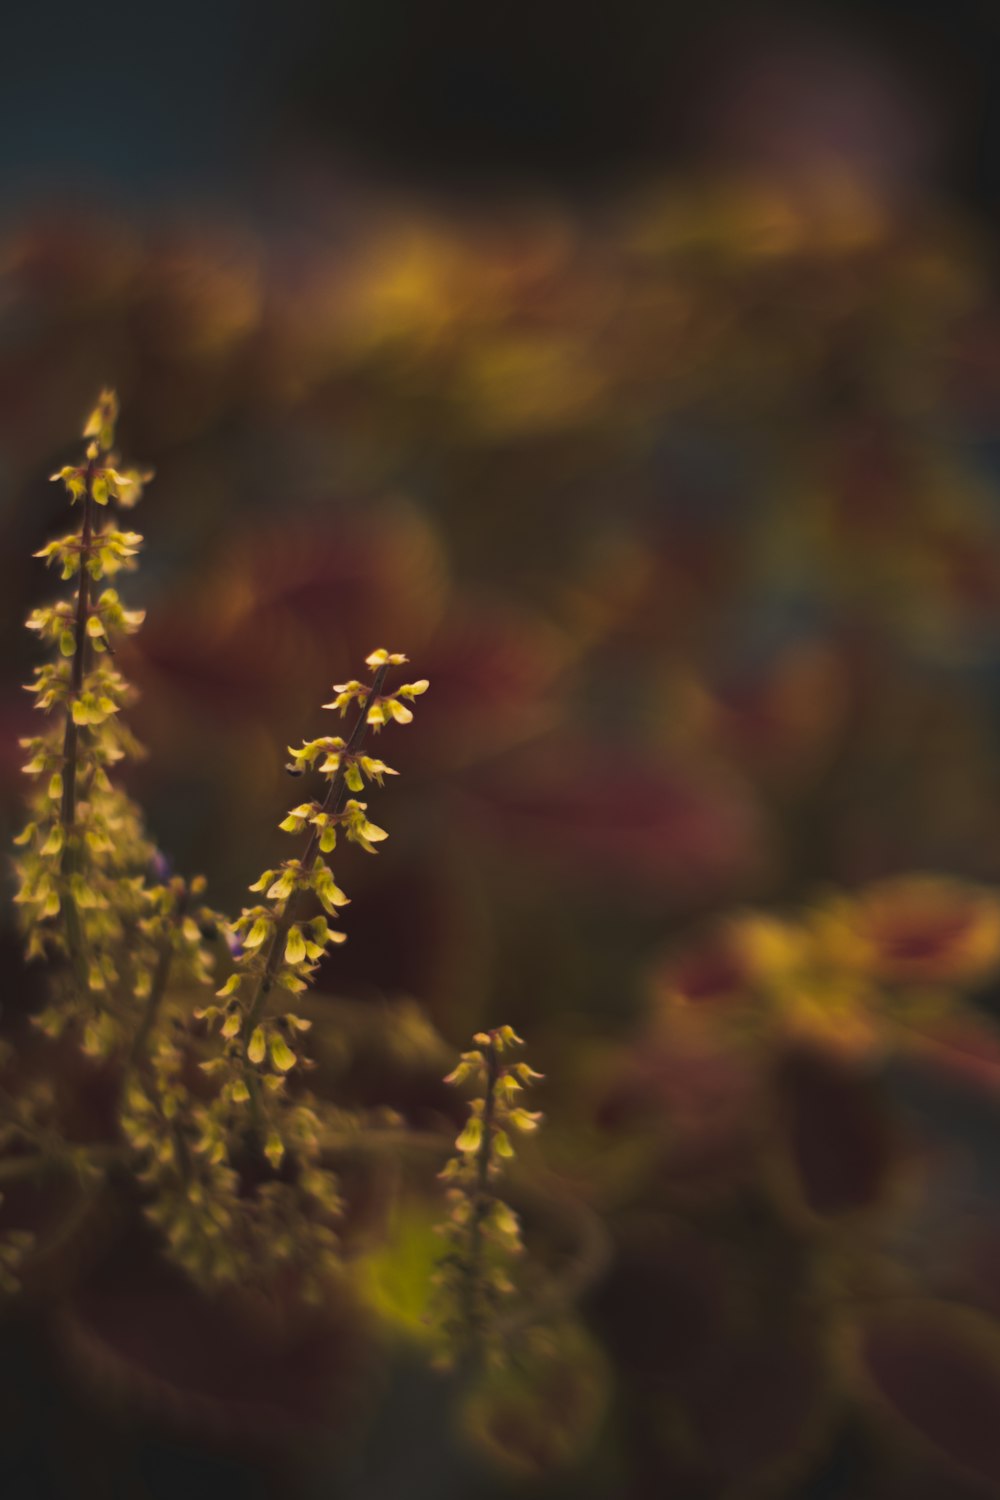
(220, 1222)
(280, 942)
(228, 1156)
(87, 887)
(482, 1232)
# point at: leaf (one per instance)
(673, 821)
(244, 1367)
(934, 1369)
(397, 1277)
(836, 1133)
(759, 1411)
(544, 1409)
(960, 1045)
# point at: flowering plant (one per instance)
(214, 1135)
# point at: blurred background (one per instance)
(634, 369)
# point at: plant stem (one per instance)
(71, 738)
(335, 1143)
(157, 990)
(25, 1168)
(480, 1206)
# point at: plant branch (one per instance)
(157, 991)
(71, 737)
(332, 804)
(26, 1168)
(480, 1205)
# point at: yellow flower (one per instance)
(100, 425)
(383, 658)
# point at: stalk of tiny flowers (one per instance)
(332, 804)
(159, 985)
(480, 1202)
(478, 1212)
(71, 737)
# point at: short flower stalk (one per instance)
(482, 1233)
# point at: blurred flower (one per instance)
(596, 812)
(917, 928)
(847, 974)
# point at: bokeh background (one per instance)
(635, 370)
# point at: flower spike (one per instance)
(482, 1232)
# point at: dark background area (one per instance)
(150, 101)
(697, 536)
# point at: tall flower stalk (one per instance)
(87, 884)
(280, 942)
